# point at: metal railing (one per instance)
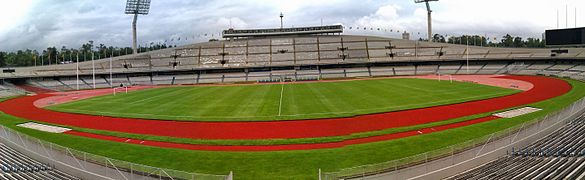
(90, 166)
(435, 160)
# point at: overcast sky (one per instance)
(36, 24)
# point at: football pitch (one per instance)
(288, 101)
(304, 164)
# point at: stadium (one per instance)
(300, 103)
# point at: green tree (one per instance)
(439, 38)
(2, 59)
(518, 42)
(507, 40)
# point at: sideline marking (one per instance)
(280, 102)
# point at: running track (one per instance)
(544, 88)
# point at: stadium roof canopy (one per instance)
(247, 33)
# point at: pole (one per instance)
(134, 50)
(566, 15)
(111, 82)
(467, 55)
(77, 72)
(93, 69)
(281, 24)
(430, 24)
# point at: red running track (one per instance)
(286, 147)
(544, 88)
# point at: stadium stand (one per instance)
(9, 90)
(574, 70)
(34, 89)
(382, 71)
(294, 51)
(560, 155)
(405, 70)
(184, 79)
(427, 69)
(139, 80)
(492, 69)
(16, 166)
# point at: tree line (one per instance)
(53, 55)
(507, 41)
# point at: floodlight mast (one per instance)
(134, 49)
(281, 16)
(429, 21)
(136, 7)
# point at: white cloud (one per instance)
(385, 16)
(11, 12)
(233, 22)
(42, 23)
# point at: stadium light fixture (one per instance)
(136, 7)
(429, 11)
(281, 24)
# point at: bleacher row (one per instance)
(560, 155)
(8, 91)
(290, 51)
(16, 166)
(577, 71)
(568, 141)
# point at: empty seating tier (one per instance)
(560, 155)
(17, 166)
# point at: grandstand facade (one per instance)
(298, 57)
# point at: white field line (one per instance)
(280, 102)
(153, 116)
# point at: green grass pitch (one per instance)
(282, 101)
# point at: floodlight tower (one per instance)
(429, 11)
(136, 7)
(281, 16)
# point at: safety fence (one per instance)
(90, 166)
(417, 165)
